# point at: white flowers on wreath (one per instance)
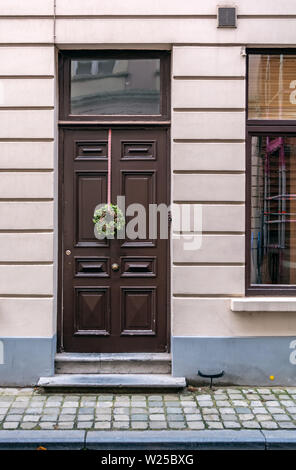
(108, 220)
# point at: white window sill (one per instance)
(263, 304)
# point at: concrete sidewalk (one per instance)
(236, 408)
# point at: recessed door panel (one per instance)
(138, 310)
(92, 266)
(140, 266)
(139, 189)
(92, 311)
(91, 190)
(91, 150)
(138, 150)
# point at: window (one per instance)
(273, 216)
(115, 84)
(272, 86)
(271, 173)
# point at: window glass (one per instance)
(273, 210)
(272, 86)
(125, 87)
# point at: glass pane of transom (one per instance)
(111, 86)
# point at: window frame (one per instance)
(65, 84)
(262, 127)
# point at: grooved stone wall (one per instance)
(27, 124)
(208, 155)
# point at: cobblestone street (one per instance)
(202, 408)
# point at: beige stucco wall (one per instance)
(208, 141)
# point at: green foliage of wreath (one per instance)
(108, 220)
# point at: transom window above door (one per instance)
(113, 84)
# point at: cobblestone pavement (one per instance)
(201, 408)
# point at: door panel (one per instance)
(140, 266)
(90, 190)
(138, 150)
(105, 310)
(138, 310)
(92, 311)
(89, 150)
(139, 187)
(92, 266)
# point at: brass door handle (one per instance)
(115, 267)
(68, 252)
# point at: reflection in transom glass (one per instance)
(273, 206)
(110, 87)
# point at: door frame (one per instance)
(104, 125)
(67, 121)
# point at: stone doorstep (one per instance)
(121, 381)
(128, 363)
(122, 440)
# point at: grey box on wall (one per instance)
(226, 17)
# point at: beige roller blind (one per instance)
(272, 86)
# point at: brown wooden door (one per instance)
(104, 310)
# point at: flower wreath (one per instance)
(108, 220)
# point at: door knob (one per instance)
(115, 267)
(68, 252)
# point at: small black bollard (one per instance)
(211, 376)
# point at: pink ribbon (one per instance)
(109, 168)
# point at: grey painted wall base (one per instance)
(245, 360)
(25, 360)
